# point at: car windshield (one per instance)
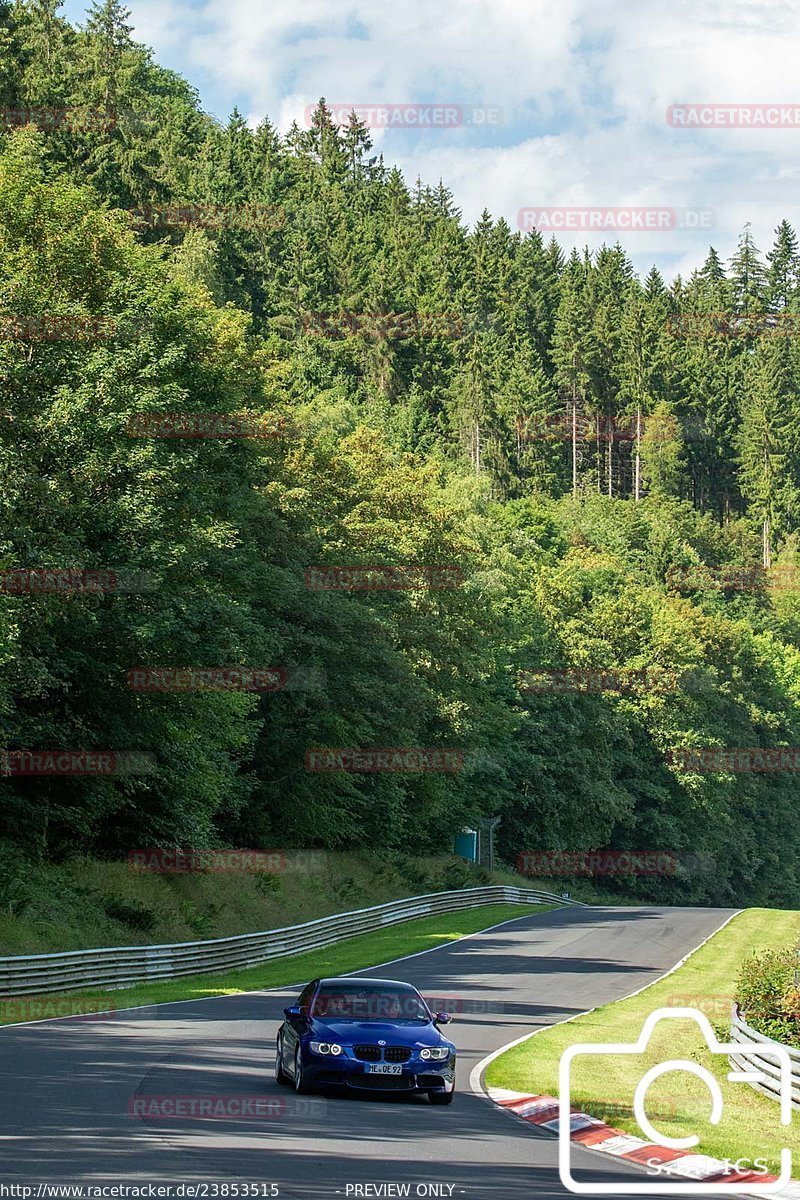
(359, 1002)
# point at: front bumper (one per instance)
(415, 1076)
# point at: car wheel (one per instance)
(299, 1078)
(280, 1074)
(441, 1097)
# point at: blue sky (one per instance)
(582, 89)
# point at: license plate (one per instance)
(384, 1069)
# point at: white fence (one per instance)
(741, 1032)
(121, 966)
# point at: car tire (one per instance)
(280, 1074)
(299, 1079)
(441, 1097)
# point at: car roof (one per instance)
(368, 979)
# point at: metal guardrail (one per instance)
(741, 1032)
(120, 966)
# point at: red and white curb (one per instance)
(594, 1134)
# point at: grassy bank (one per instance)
(357, 953)
(85, 903)
(678, 1102)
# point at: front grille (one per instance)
(393, 1054)
(368, 1053)
(397, 1054)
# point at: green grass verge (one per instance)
(365, 950)
(84, 902)
(678, 1103)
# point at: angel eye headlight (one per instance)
(326, 1048)
(435, 1053)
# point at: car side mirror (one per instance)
(293, 1012)
(442, 1018)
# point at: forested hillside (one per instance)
(566, 439)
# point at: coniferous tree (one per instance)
(109, 45)
(768, 440)
(748, 276)
(783, 276)
(609, 282)
(43, 38)
(712, 279)
(575, 355)
(10, 55)
(710, 381)
(528, 403)
(662, 453)
(642, 339)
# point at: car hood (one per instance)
(350, 1033)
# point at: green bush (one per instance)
(405, 868)
(267, 884)
(348, 891)
(14, 872)
(201, 921)
(459, 874)
(131, 913)
(768, 995)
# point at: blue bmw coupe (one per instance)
(371, 1034)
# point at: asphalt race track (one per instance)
(66, 1086)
